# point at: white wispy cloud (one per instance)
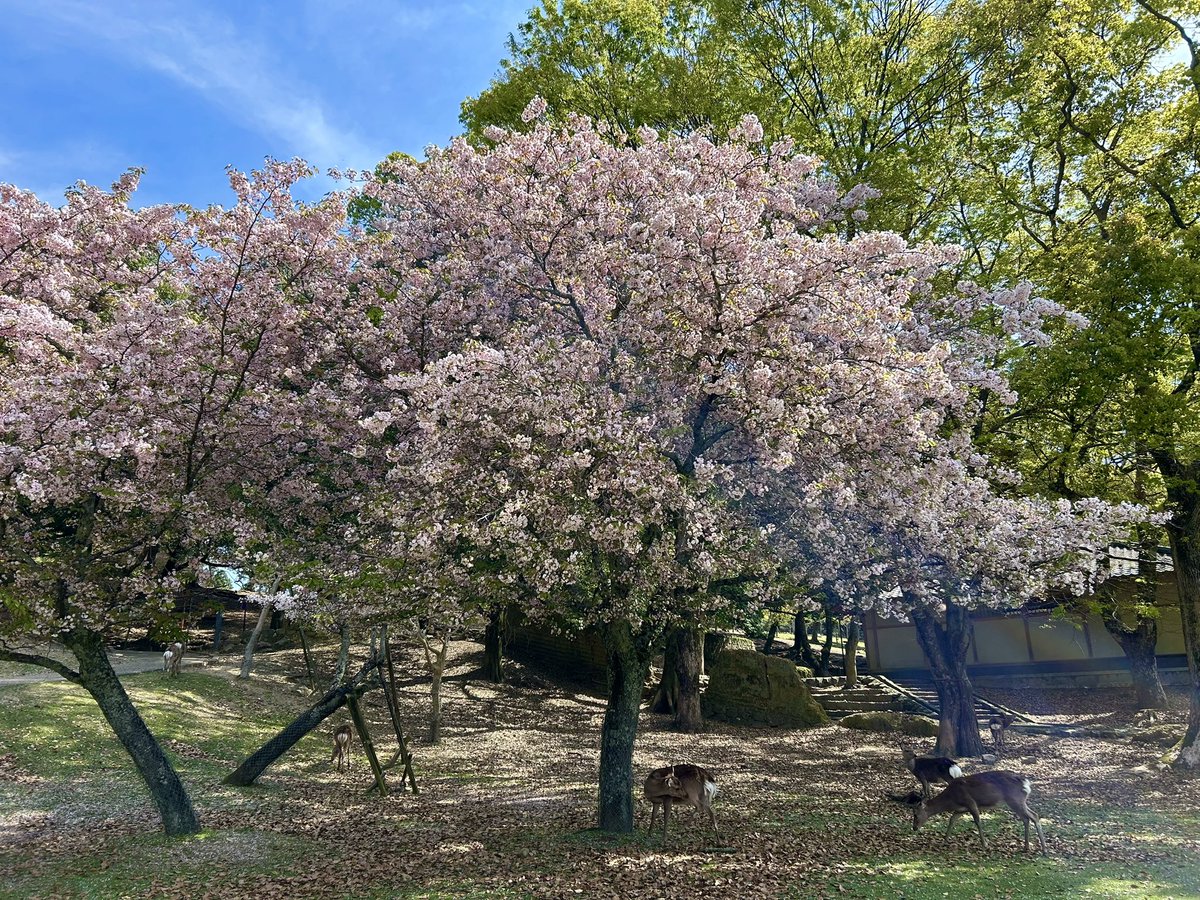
(208, 55)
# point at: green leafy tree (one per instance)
(1085, 143)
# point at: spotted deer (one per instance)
(930, 769)
(983, 790)
(341, 746)
(998, 724)
(683, 783)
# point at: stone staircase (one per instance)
(875, 692)
(922, 690)
(871, 694)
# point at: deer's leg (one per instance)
(953, 818)
(666, 816)
(1030, 816)
(653, 814)
(973, 808)
(925, 789)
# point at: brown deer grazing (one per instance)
(983, 790)
(341, 746)
(173, 658)
(998, 724)
(930, 769)
(670, 783)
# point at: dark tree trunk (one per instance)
(1139, 641)
(851, 657)
(1139, 644)
(801, 648)
(96, 676)
(827, 647)
(257, 762)
(308, 663)
(689, 654)
(494, 639)
(771, 632)
(1183, 493)
(945, 647)
(666, 697)
(627, 669)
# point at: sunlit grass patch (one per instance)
(936, 876)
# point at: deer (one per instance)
(930, 769)
(998, 724)
(983, 790)
(342, 736)
(173, 658)
(685, 782)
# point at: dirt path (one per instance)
(125, 662)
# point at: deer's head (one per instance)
(920, 815)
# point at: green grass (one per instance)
(64, 763)
(922, 876)
(143, 865)
(54, 731)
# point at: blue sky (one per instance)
(182, 90)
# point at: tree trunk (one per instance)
(248, 658)
(771, 632)
(1183, 496)
(1139, 644)
(257, 762)
(666, 698)
(494, 639)
(343, 660)
(627, 669)
(851, 651)
(1139, 641)
(1184, 533)
(689, 652)
(308, 663)
(827, 647)
(435, 662)
(801, 648)
(97, 677)
(945, 647)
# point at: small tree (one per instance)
(156, 368)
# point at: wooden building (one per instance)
(1036, 644)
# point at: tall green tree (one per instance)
(622, 63)
(1086, 140)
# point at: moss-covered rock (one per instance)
(1164, 735)
(885, 720)
(804, 671)
(748, 688)
(716, 642)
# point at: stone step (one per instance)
(859, 705)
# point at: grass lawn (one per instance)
(507, 804)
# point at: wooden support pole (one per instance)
(389, 690)
(312, 678)
(360, 725)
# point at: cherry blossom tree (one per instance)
(164, 376)
(929, 539)
(658, 331)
